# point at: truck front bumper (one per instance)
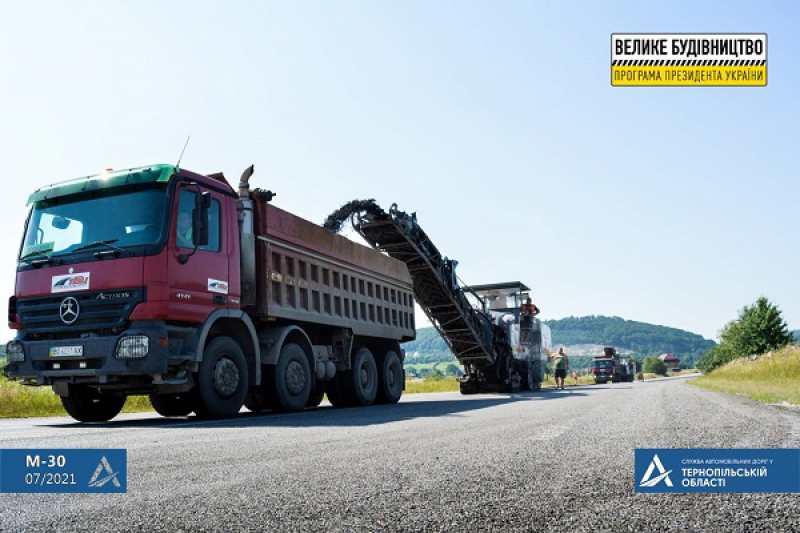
(96, 359)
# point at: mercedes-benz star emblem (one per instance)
(69, 310)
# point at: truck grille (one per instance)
(99, 310)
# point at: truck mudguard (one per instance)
(248, 324)
(272, 340)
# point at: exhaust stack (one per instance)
(244, 183)
(247, 248)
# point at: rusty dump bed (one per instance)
(307, 273)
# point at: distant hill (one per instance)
(628, 335)
(639, 337)
(796, 334)
(429, 348)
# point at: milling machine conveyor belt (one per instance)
(467, 332)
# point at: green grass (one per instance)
(440, 366)
(449, 384)
(18, 401)
(445, 384)
(772, 378)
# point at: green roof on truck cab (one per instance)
(105, 180)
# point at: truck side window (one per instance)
(183, 227)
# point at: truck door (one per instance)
(199, 285)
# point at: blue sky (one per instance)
(494, 121)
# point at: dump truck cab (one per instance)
(160, 281)
(108, 272)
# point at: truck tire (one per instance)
(292, 378)
(221, 383)
(358, 386)
(86, 404)
(172, 404)
(391, 378)
(365, 377)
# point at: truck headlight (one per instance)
(15, 353)
(133, 347)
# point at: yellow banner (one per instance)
(681, 76)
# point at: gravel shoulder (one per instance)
(545, 461)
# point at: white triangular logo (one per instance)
(111, 476)
(655, 464)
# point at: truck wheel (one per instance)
(222, 380)
(292, 378)
(172, 404)
(365, 377)
(358, 386)
(86, 404)
(391, 379)
(315, 398)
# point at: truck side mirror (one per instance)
(200, 219)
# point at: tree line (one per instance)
(642, 338)
(758, 329)
(639, 337)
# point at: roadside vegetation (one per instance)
(755, 357)
(18, 401)
(654, 365)
(437, 383)
(758, 329)
(431, 384)
(773, 377)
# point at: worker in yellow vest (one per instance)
(560, 366)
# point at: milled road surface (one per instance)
(554, 460)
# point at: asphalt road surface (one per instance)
(553, 460)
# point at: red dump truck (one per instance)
(610, 367)
(163, 282)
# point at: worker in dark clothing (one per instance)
(526, 314)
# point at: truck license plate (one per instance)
(66, 351)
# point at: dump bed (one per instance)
(307, 273)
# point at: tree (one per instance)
(716, 356)
(759, 329)
(654, 365)
(452, 370)
(436, 375)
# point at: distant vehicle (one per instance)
(610, 367)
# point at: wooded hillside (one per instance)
(641, 338)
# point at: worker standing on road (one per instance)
(575, 376)
(526, 314)
(560, 366)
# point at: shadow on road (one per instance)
(327, 416)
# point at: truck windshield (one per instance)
(116, 219)
(603, 364)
